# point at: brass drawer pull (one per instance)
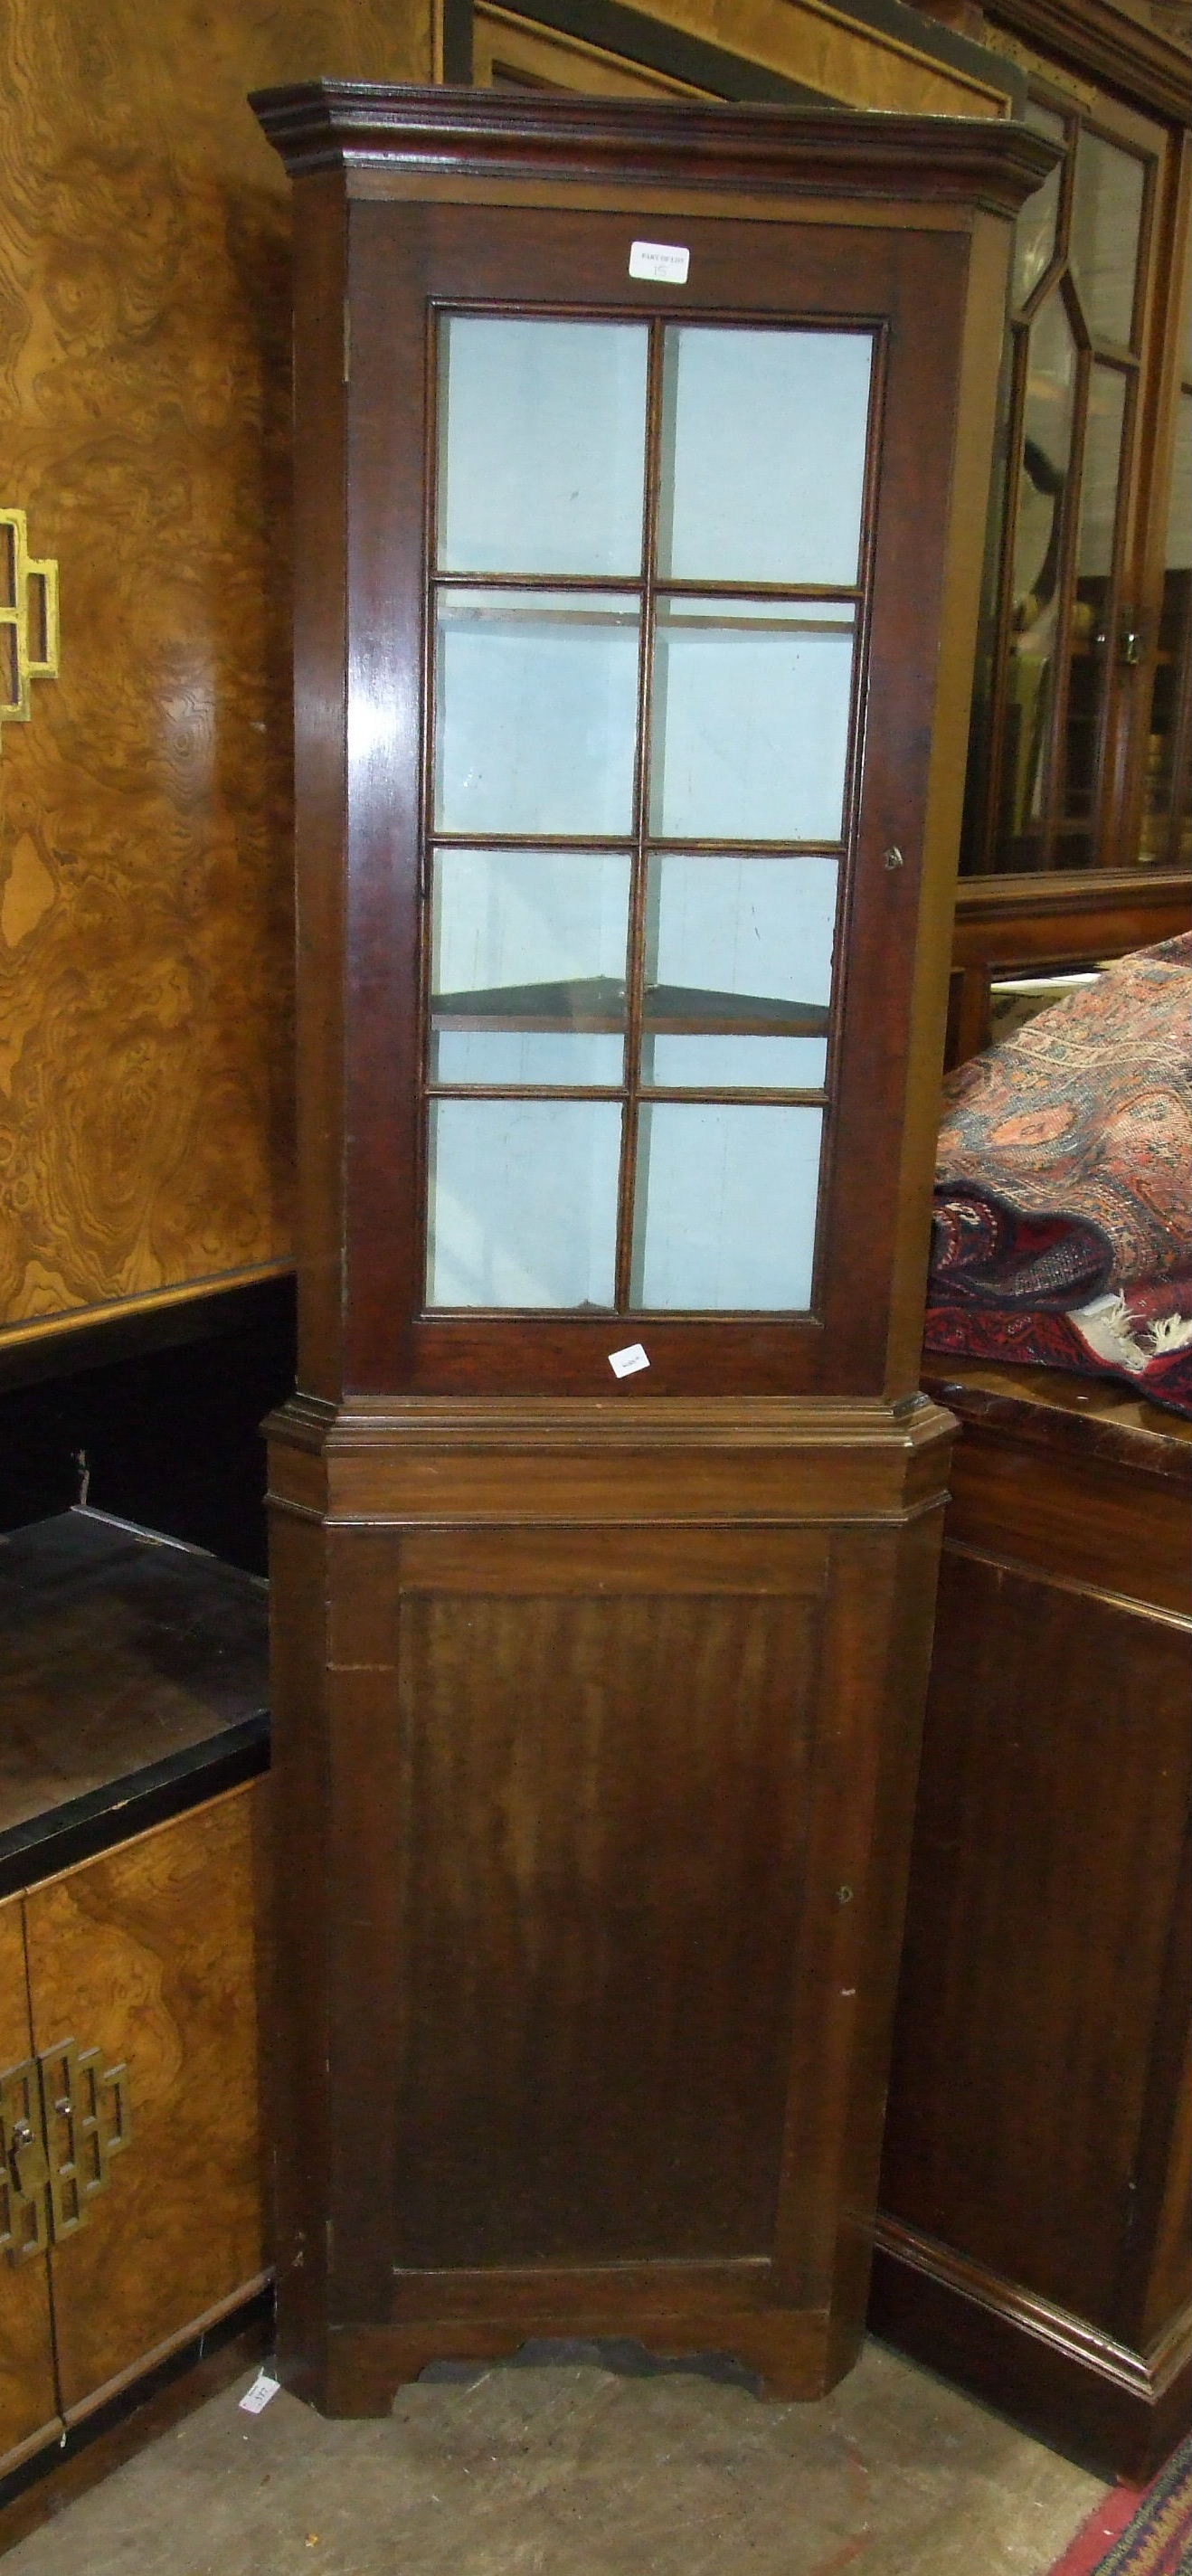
(63, 2116)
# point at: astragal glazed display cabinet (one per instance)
(642, 459)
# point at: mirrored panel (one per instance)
(1105, 234)
(1100, 481)
(1048, 418)
(763, 455)
(738, 972)
(542, 446)
(726, 1206)
(1167, 814)
(522, 1202)
(528, 966)
(751, 720)
(536, 712)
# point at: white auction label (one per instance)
(626, 1363)
(665, 262)
(258, 2396)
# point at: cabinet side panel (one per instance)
(299, 2105)
(867, 1735)
(913, 1573)
(976, 405)
(1046, 1871)
(28, 2404)
(1169, 2288)
(320, 613)
(606, 1800)
(1156, 2285)
(150, 1954)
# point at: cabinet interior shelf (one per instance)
(597, 1002)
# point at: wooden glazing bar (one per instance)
(1057, 729)
(639, 878)
(1000, 692)
(688, 847)
(645, 1091)
(811, 593)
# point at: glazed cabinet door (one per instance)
(643, 590)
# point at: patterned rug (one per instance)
(1132, 2535)
(1063, 1205)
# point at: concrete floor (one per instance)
(566, 2469)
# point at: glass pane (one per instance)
(1099, 480)
(1165, 833)
(763, 455)
(537, 712)
(739, 972)
(528, 966)
(1034, 232)
(523, 1202)
(726, 1206)
(751, 720)
(1103, 244)
(1038, 541)
(543, 446)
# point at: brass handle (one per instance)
(28, 2160)
(28, 618)
(63, 2116)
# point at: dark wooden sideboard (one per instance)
(133, 1672)
(1034, 2236)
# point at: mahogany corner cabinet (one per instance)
(642, 458)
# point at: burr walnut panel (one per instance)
(150, 1954)
(144, 848)
(28, 2405)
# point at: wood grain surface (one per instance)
(150, 1954)
(145, 840)
(602, 1876)
(858, 65)
(1038, 1933)
(359, 818)
(1035, 2181)
(28, 2404)
(604, 1818)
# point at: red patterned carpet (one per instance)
(1129, 2534)
(1063, 1213)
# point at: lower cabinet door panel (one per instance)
(28, 2404)
(149, 1953)
(607, 1801)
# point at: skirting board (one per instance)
(1114, 2410)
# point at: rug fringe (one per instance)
(1133, 2534)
